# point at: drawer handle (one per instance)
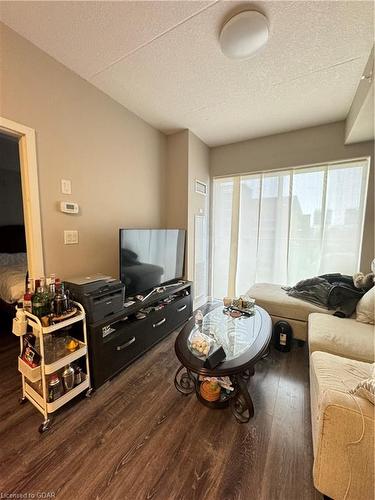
(121, 347)
(182, 308)
(155, 325)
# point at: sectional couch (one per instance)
(341, 355)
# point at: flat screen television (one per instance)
(150, 258)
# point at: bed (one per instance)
(13, 269)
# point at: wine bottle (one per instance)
(27, 298)
(46, 299)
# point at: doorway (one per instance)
(30, 192)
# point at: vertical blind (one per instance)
(284, 226)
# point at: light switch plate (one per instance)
(66, 186)
(70, 237)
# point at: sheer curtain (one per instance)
(280, 227)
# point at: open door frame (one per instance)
(30, 193)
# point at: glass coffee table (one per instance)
(244, 339)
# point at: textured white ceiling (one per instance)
(162, 60)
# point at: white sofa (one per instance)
(341, 355)
(345, 337)
(282, 307)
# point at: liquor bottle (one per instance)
(52, 286)
(27, 298)
(60, 301)
(37, 300)
(46, 288)
(40, 302)
(46, 298)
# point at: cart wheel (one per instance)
(45, 426)
(22, 401)
(89, 392)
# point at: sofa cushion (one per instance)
(277, 303)
(341, 336)
(333, 373)
(365, 307)
(338, 373)
(342, 428)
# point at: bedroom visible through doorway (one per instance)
(20, 235)
(13, 256)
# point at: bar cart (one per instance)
(34, 380)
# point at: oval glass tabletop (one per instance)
(235, 335)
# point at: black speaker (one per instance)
(282, 335)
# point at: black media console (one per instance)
(118, 340)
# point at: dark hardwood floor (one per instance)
(138, 438)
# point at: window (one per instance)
(281, 227)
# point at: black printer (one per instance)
(100, 295)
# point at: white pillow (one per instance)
(365, 307)
(365, 389)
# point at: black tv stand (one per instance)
(121, 338)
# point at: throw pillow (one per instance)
(366, 306)
(365, 389)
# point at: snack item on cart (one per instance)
(29, 354)
(55, 388)
(71, 344)
(46, 320)
(31, 357)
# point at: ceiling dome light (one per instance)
(244, 34)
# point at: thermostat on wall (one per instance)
(69, 207)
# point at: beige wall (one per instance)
(177, 180)
(292, 149)
(114, 159)
(199, 168)
(188, 160)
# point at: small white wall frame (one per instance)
(30, 193)
(200, 187)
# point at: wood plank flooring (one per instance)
(138, 438)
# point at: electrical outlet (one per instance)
(66, 186)
(70, 237)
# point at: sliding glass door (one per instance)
(281, 227)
